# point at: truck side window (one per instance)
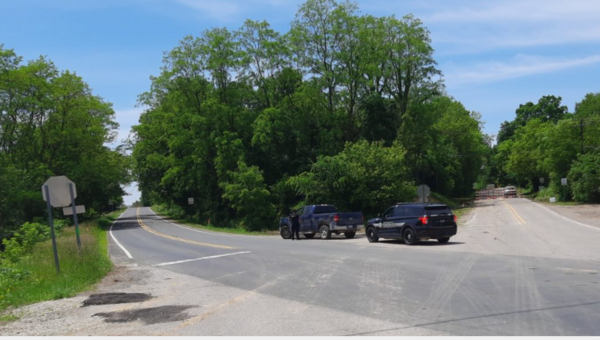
(306, 211)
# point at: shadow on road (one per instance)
(429, 243)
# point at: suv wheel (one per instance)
(372, 234)
(409, 237)
(443, 240)
(325, 232)
(285, 233)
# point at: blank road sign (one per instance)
(79, 209)
(58, 186)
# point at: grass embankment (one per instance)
(164, 212)
(36, 278)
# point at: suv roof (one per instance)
(423, 204)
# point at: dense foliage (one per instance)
(546, 141)
(343, 108)
(51, 124)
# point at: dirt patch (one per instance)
(115, 298)
(148, 315)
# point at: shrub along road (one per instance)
(219, 284)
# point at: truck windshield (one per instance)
(324, 209)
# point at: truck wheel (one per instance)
(309, 236)
(350, 234)
(409, 237)
(325, 232)
(285, 233)
(443, 240)
(372, 235)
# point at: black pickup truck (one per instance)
(412, 222)
(324, 220)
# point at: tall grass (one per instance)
(78, 270)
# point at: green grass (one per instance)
(79, 271)
(163, 212)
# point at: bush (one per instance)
(249, 196)
(584, 178)
(23, 240)
(104, 222)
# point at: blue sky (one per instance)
(494, 55)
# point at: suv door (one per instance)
(390, 221)
(397, 221)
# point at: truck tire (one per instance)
(409, 237)
(309, 236)
(372, 234)
(350, 234)
(325, 232)
(285, 233)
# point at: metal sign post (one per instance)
(51, 221)
(75, 217)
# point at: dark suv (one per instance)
(412, 222)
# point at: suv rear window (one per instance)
(320, 209)
(438, 210)
(414, 211)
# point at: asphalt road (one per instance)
(514, 268)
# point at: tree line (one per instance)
(52, 124)
(343, 108)
(546, 141)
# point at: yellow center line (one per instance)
(514, 212)
(174, 238)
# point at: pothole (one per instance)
(148, 315)
(115, 298)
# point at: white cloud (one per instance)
(520, 66)
(505, 24)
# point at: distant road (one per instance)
(513, 269)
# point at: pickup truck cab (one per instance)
(323, 219)
(413, 222)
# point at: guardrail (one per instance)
(491, 194)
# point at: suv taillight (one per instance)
(424, 219)
(455, 218)
(336, 218)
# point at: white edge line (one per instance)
(201, 258)
(564, 217)
(205, 232)
(115, 239)
(471, 220)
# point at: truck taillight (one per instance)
(336, 218)
(424, 219)
(455, 219)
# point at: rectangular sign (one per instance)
(563, 181)
(79, 209)
(552, 199)
(191, 201)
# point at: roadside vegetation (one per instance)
(179, 216)
(546, 141)
(27, 269)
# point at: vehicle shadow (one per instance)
(334, 237)
(429, 243)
